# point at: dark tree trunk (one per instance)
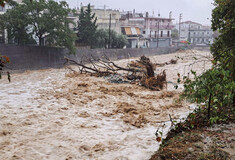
(149, 67)
(209, 107)
(40, 41)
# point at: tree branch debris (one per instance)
(139, 72)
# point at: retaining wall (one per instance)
(36, 57)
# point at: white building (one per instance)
(103, 17)
(195, 33)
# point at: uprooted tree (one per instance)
(140, 71)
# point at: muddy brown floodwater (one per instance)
(57, 115)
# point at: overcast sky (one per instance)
(195, 10)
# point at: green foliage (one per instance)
(174, 34)
(4, 60)
(223, 20)
(214, 90)
(3, 2)
(16, 26)
(47, 20)
(119, 41)
(116, 40)
(89, 35)
(102, 38)
(87, 27)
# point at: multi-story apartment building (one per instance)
(202, 35)
(103, 18)
(195, 33)
(155, 30)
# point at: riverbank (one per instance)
(216, 142)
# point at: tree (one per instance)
(17, 27)
(216, 87)
(121, 41)
(102, 38)
(223, 20)
(47, 20)
(87, 27)
(3, 2)
(116, 40)
(174, 34)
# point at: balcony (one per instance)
(162, 27)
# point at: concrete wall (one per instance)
(162, 42)
(35, 57)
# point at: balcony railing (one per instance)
(159, 36)
(168, 27)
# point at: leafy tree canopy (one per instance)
(116, 40)
(87, 27)
(43, 19)
(3, 2)
(223, 20)
(216, 87)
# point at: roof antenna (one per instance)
(77, 5)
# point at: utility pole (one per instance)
(180, 18)
(109, 30)
(158, 33)
(189, 39)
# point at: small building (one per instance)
(134, 37)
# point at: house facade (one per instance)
(195, 33)
(103, 18)
(204, 35)
(155, 31)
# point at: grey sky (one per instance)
(195, 10)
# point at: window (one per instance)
(143, 32)
(155, 34)
(1, 8)
(161, 33)
(168, 33)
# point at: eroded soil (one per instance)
(216, 142)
